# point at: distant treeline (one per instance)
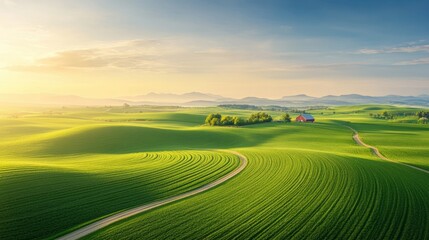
(384, 115)
(422, 116)
(216, 119)
(253, 107)
(240, 106)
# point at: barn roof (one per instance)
(308, 116)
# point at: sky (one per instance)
(234, 48)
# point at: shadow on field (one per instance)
(114, 139)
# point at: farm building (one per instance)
(305, 118)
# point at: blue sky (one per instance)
(236, 47)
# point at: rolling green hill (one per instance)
(288, 193)
(68, 167)
(44, 196)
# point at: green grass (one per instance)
(303, 181)
(398, 140)
(295, 194)
(42, 197)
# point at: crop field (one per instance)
(44, 193)
(294, 194)
(401, 140)
(64, 168)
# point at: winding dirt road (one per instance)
(375, 150)
(131, 212)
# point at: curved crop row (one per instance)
(295, 194)
(42, 197)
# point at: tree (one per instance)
(126, 105)
(226, 121)
(238, 121)
(285, 117)
(260, 117)
(422, 114)
(217, 119)
(214, 121)
(210, 117)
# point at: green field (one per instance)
(63, 168)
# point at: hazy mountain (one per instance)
(195, 99)
(299, 97)
(330, 100)
(176, 98)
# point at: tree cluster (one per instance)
(422, 114)
(240, 106)
(259, 117)
(216, 119)
(383, 115)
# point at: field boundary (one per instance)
(377, 152)
(95, 226)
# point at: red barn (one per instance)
(305, 118)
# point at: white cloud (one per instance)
(419, 61)
(132, 54)
(369, 51)
(404, 49)
(167, 55)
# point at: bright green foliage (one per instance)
(213, 119)
(260, 117)
(215, 122)
(238, 121)
(218, 120)
(285, 117)
(227, 121)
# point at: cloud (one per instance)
(369, 51)
(177, 56)
(132, 54)
(172, 55)
(404, 49)
(419, 61)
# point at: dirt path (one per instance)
(84, 231)
(375, 150)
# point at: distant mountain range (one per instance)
(197, 99)
(175, 98)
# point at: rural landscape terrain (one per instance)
(214, 119)
(65, 168)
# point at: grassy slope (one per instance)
(295, 194)
(51, 181)
(405, 142)
(303, 180)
